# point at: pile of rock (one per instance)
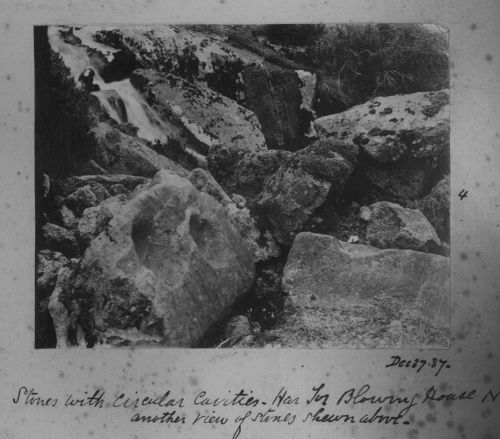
(144, 250)
(392, 154)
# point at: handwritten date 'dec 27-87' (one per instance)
(419, 363)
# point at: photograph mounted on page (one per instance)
(242, 186)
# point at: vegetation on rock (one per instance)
(370, 60)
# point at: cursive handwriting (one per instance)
(241, 398)
(31, 397)
(432, 394)
(419, 363)
(319, 405)
(165, 418)
(164, 400)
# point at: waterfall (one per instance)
(139, 113)
(137, 110)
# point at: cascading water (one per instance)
(138, 112)
(76, 58)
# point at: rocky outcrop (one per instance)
(260, 244)
(321, 269)
(282, 98)
(329, 96)
(167, 266)
(275, 95)
(113, 66)
(123, 154)
(290, 199)
(182, 217)
(304, 183)
(208, 117)
(340, 293)
(377, 323)
(389, 128)
(245, 175)
(86, 80)
(392, 226)
(404, 140)
(195, 56)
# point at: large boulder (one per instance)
(195, 56)
(113, 66)
(260, 244)
(208, 117)
(281, 99)
(120, 153)
(377, 323)
(388, 128)
(167, 266)
(321, 269)
(329, 96)
(355, 295)
(228, 66)
(404, 140)
(303, 183)
(393, 226)
(247, 174)
(402, 183)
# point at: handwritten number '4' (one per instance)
(463, 194)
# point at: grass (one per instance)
(356, 62)
(382, 59)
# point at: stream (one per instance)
(76, 58)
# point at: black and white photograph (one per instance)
(242, 186)
(227, 219)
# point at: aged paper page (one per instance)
(250, 219)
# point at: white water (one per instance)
(108, 107)
(139, 113)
